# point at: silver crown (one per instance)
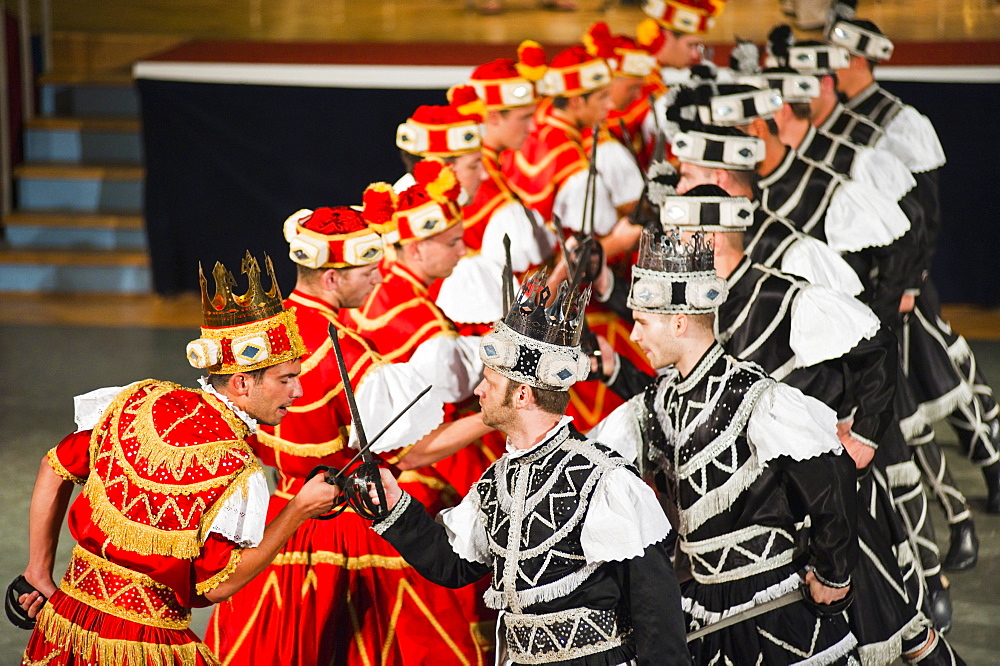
(557, 323)
(669, 253)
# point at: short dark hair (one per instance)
(561, 101)
(801, 110)
(221, 381)
(553, 402)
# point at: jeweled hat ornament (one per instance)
(428, 207)
(805, 57)
(675, 275)
(861, 38)
(537, 342)
(718, 148)
(440, 131)
(623, 55)
(735, 105)
(690, 16)
(338, 237)
(574, 72)
(506, 84)
(706, 208)
(244, 332)
(793, 86)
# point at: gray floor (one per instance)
(42, 368)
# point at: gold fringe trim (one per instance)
(139, 584)
(301, 558)
(219, 578)
(61, 471)
(318, 450)
(66, 635)
(138, 537)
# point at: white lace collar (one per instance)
(246, 418)
(517, 453)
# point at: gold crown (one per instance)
(229, 309)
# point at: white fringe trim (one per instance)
(937, 409)
(891, 649)
(397, 511)
(555, 590)
(832, 653)
(913, 425)
(707, 617)
(903, 474)
(720, 499)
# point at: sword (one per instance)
(508, 276)
(369, 468)
(788, 598)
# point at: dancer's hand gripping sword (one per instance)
(354, 483)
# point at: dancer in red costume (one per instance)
(172, 510)
(336, 594)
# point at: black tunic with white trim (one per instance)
(870, 233)
(575, 591)
(713, 443)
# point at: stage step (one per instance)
(83, 188)
(83, 140)
(77, 271)
(88, 95)
(96, 231)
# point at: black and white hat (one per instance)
(793, 86)
(718, 148)
(861, 38)
(674, 275)
(735, 105)
(706, 208)
(537, 342)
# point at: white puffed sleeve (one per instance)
(89, 407)
(570, 199)
(243, 516)
(910, 136)
(827, 324)
(786, 422)
(859, 216)
(451, 363)
(383, 393)
(883, 171)
(623, 519)
(473, 293)
(814, 260)
(621, 430)
(465, 530)
(531, 242)
(619, 171)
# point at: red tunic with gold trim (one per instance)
(157, 469)
(337, 593)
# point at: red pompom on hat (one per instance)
(500, 85)
(431, 205)
(691, 16)
(574, 72)
(439, 131)
(465, 100)
(531, 60)
(378, 205)
(649, 35)
(331, 238)
(621, 53)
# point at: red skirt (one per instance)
(338, 593)
(72, 632)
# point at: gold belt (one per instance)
(121, 592)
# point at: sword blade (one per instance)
(383, 430)
(348, 389)
(786, 599)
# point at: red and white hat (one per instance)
(425, 209)
(574, 72)
(691, 16)
(440, 131)
(331, 238)
(623, 55)
(506, 84)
